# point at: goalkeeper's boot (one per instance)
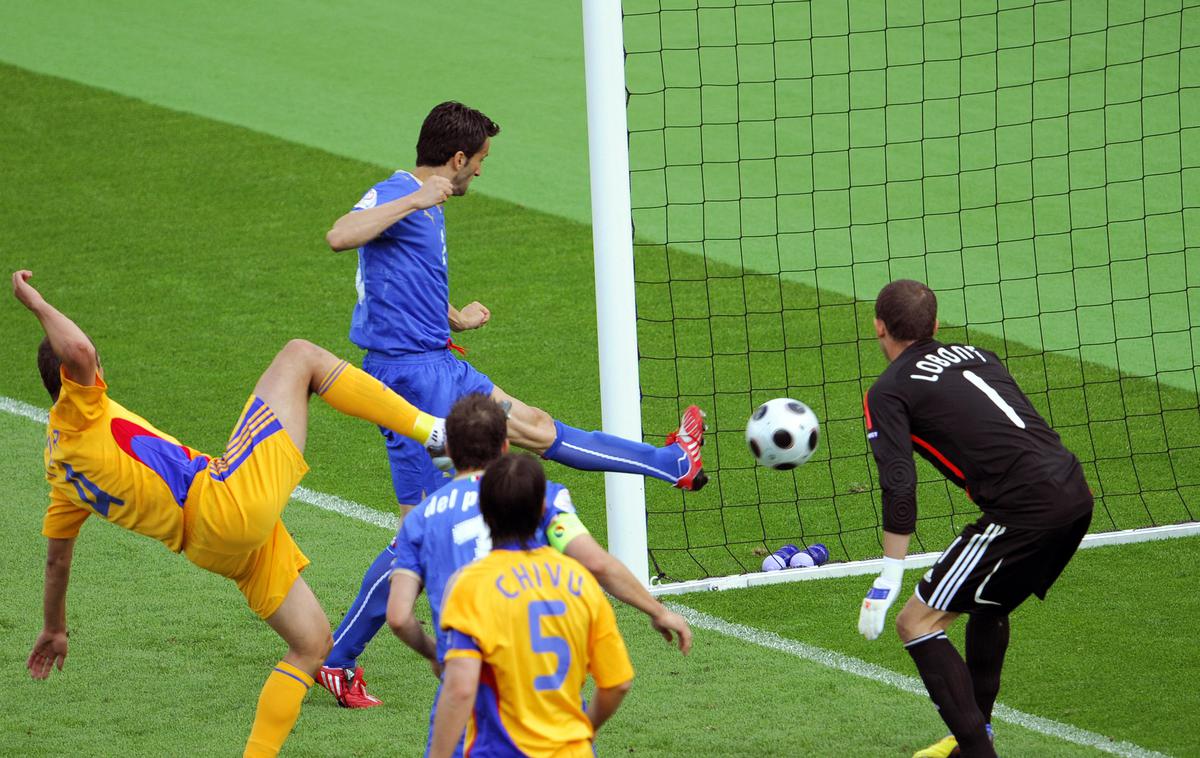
(943, 748)
(947, 747)
(690, 437)
(348, 687)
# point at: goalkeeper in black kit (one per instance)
(960, 409)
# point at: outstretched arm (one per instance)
(50, 649)
(68, 341)
(620, 582)
(359, 227)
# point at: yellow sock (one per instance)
(278, 706)
(356, 393)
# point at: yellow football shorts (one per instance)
(231, 519)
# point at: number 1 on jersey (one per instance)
(994, 396)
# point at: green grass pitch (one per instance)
(191, 250)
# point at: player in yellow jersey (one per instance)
(223, 513)
(525, 627)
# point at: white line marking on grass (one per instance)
(347, 508)
(702, 620)
(866, 670)
(24, 410)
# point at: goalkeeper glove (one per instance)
(880, 597)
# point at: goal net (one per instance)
(1037, 164)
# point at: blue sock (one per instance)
(597, 451)
(366, 614)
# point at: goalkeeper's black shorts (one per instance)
(992, 568)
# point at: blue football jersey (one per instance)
(446, 532)
(403, 288)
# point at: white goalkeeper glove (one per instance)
(884, 591)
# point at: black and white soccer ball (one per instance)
(783, 433)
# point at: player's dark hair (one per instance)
(908, 309)
(451, 127)
(48, 367)
(475, 431)
(511, 497)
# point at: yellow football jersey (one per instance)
(102, 459)
(540, 623)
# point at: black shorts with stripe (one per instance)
(992, 568)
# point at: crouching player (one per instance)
(223, 513)
(960, 409)
(525, 625)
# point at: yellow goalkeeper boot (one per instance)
(943, 748)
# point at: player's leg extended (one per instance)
(301, 623)
(341, 674)
(302, 368)
(679, 462)
(945, 674)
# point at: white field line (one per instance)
(701, 620)
(861, 668)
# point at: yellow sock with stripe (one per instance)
(354, 392)
(278, 707)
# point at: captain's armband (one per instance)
(564, 528)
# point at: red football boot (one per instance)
(690, 437)
(348, 687)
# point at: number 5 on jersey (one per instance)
(548, 643)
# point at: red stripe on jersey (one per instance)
(866, 410)
(938, 454)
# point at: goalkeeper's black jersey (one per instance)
(961, 410)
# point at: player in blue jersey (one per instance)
(480, 428)
(404, 318)
(447, 531)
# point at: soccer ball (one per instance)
(782, 433)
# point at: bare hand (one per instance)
(669, 623)
(24, 291)
(433, 191)
(474, 316)
(50, 650)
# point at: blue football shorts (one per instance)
(433, 382)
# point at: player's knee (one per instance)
(325, 646)
(531, 427)
(315, 649)
(906, 628)
(299, 349)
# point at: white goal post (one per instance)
(612, 240)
